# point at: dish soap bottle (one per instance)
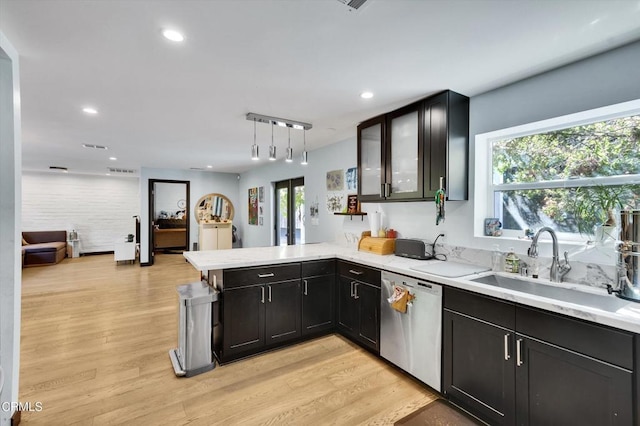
(512, 261)
(496, 259)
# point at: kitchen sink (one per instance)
(602, 301)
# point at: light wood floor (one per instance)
(94, 350)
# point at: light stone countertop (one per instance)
(626, 316)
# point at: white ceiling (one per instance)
(183, 106)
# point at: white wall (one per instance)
(99, 208)
(338, 156)
(201, 183)
(10, 240)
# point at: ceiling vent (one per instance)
(89, 145)
(124, 171)
(353, 4)
(58, 168)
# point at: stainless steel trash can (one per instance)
(194, 354)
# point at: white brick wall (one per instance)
(99, 208)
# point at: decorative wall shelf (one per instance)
(361, 214)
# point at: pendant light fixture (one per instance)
(289, 149)
(272, 147)
(304, 149)
(254, 148)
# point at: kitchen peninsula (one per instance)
(498, 344)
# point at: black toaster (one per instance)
(413, 248)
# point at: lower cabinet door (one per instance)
(282, 311)
(368, 298)
(317, 303)
(347, 307)
(555, 386)
(243, 320)
(479, 368)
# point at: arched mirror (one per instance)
(214, 208)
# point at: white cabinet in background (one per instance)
(124, 250)
(215, 236)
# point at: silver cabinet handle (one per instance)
(269, 293)
(352, 283)
(354, 272)
(507, 355)
(270, 274)
(355, 291)
(305, 287)
(519, 352)
(262, 289)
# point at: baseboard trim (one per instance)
(95, 253)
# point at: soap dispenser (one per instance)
(512, 261)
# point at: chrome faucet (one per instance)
(558, 270)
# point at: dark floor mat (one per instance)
(439, 413)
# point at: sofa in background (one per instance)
(43, 247)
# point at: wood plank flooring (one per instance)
(94, 350)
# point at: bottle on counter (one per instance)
(496, 259)
(512, 262)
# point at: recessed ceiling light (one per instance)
(209, 166)
(108, 174)
(366, 95)
(89, 110)
(173, 35)
(112, 158)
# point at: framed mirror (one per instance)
(214, 207)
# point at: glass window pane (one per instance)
(404, 153)
(573, 210)
(605, 148)
(299, 212)
(371, 151)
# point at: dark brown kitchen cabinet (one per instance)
(260, 309)
(243, 319)
(509, 364)
(282, 312)
(403, 154)
(318, 296)
(358, 304)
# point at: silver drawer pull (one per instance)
(352, 283)
(519, 352)
(356, 272)
(507, 355)
(355, 291)
(262, 300)
(269, 293)
(306, 287)
(270, 274)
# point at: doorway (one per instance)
(289, 219)
(169, 216)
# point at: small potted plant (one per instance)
(595, 208)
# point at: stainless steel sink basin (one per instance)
(602, 301)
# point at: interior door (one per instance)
(289, 212)
(169, 215)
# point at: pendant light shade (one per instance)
(272, 147)
(255, 156)
(289, 149)
(304, 161)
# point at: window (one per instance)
(569, 173)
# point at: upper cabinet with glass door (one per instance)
(371, 177)
(403, 154)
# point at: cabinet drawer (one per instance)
(481, 307)
(261, 274)
(606, 344)
(318, 267)
(359, 272)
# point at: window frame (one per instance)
(485, 204)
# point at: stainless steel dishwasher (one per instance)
(413, 340)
